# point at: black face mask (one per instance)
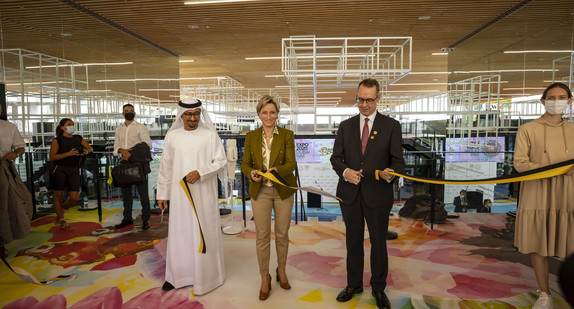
(129, 116)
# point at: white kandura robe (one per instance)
(183, 152)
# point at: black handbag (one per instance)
(126, 174)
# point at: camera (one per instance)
(80, 150)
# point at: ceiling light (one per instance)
(525, 88)
(407, 91)
(439, 54)
(77, 65)
(310, 56)
(424, 17)
(263, 58)
(136, 80)
(536, 51)
(506, 71)
(158, 89)
(193, 27)
(198, 78)
(431, 73)
(418, 84)
(515, 94)
(321, 98)
(186, 61)
(214, 1)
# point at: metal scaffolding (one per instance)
(232, 105)
(474, 110)
(42, 89)
(311, 63)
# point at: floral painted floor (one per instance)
(468, 262)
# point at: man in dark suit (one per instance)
(460, 202)
(364, 144)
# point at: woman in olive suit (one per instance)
(270, 148)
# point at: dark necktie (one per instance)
(365, 135)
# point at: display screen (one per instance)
(481, 149)
(314, 150)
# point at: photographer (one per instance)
(66, 151)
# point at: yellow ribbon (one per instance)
(276, 178)
(538, 173)
(185, 186)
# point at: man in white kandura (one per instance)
(192, 157)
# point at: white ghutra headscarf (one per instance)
(191, 104)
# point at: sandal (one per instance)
(64, 226)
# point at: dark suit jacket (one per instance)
(458, 207)
(141, 154)
(384, 150)
(282, 157)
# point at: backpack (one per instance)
(419, 207)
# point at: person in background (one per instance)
(11, 147)
(270, 148)
(128, 134)
(546, 206)
(66, 152)
(486, 206)
(460, 202)
(364, 144)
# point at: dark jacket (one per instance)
(384, 149)
(141, 154)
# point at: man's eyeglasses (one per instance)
(188, 114)
(368, 101)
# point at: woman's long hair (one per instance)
(59, 130)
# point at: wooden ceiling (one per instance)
(218, 37)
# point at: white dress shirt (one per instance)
(10, 138)
(131, 135)
(370, 124)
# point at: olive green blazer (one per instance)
(282, 157)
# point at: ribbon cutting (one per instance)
(538, 173)
(273, 176)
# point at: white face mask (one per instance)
(556, 107)
(71, 130)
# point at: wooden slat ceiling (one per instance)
(220, 36)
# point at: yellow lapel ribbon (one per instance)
(275, 177)
(538, 173)
(185, 186)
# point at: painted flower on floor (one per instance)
(111, 298)
(67, 254)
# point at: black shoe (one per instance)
(383, 301)
(124, 223)
(3, 252)
(167, 286)
(347, 293)
(145, 225)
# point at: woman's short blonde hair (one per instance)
(266, 99)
